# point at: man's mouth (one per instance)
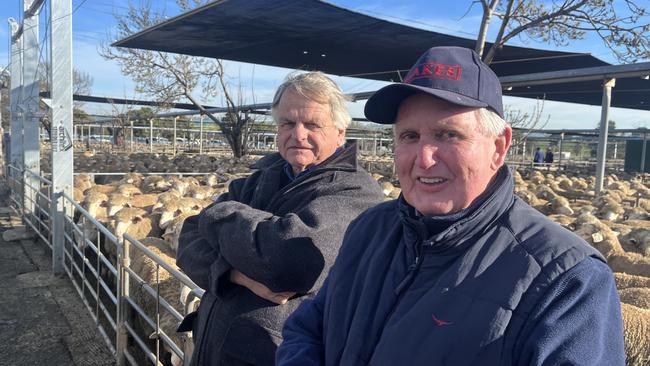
(431, 181)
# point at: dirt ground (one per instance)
(42, 318)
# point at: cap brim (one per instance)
(383, 105)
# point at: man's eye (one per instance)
(312, 126)
(446, 135)
(287, 125)
(408, 137)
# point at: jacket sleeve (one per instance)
(195, 255)
(302, 334)
(290, 252)
(578, 323)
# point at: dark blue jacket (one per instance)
(501, 286)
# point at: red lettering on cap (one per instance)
(433, 70)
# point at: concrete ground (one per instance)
(42, 318)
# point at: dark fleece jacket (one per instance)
(283, 237)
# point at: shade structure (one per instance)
(315, 35)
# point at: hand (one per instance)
(258, 288)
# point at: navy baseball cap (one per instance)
(454, 74)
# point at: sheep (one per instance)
(128, 189)
(611, 211)
(564, 220)
(134, 221)
(201, 192)
(637, 296)
(173, 229)
(640, 237)
(636, 213)
(598, 235)
(101, 188)
(82, 182)
(560, 205)
(154, 184)
(173, 208)
(95, 203)
(630, 263)
(117, 202)
(132, 178)
(166, 286)
(530, 198)
(387, 187)
(624, 281)
(636, 328)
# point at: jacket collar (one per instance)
(497, 198)
(345, 160)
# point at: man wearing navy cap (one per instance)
(457, 270)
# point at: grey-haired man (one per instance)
(457, 271)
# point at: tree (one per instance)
(611, 125)
(171, 77)
(524, 123)
(623, 25)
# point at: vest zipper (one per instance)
(403, 285)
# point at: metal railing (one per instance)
(122, 301)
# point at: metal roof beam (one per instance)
(641, 70)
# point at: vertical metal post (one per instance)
(16, 143)
(602, 139)
(615, 149)
(131, 137)
(559, 159)
(31, 105)
(643, 148)
(124, 261)
(61, 121)
(151, 135)
(175, 121)
(201, 137)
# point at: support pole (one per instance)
(151, 135)
(559, 158)
(16, 92)
(602, 139)
(643, 148)
(201, 136)
(30, 104)
(131, 137)
(175, 121)
(61, 120)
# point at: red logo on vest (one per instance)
(432, 70)
(440, 322)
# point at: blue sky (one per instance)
(92, 20)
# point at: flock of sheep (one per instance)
(152, 209)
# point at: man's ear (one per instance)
(340, 138)
(502, 144)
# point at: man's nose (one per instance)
(299, 132)
(426, 155)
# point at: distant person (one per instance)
(548, 159)
(539, 156)
(268, 243)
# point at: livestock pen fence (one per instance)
(106, 286)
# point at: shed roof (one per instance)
(315, 35)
